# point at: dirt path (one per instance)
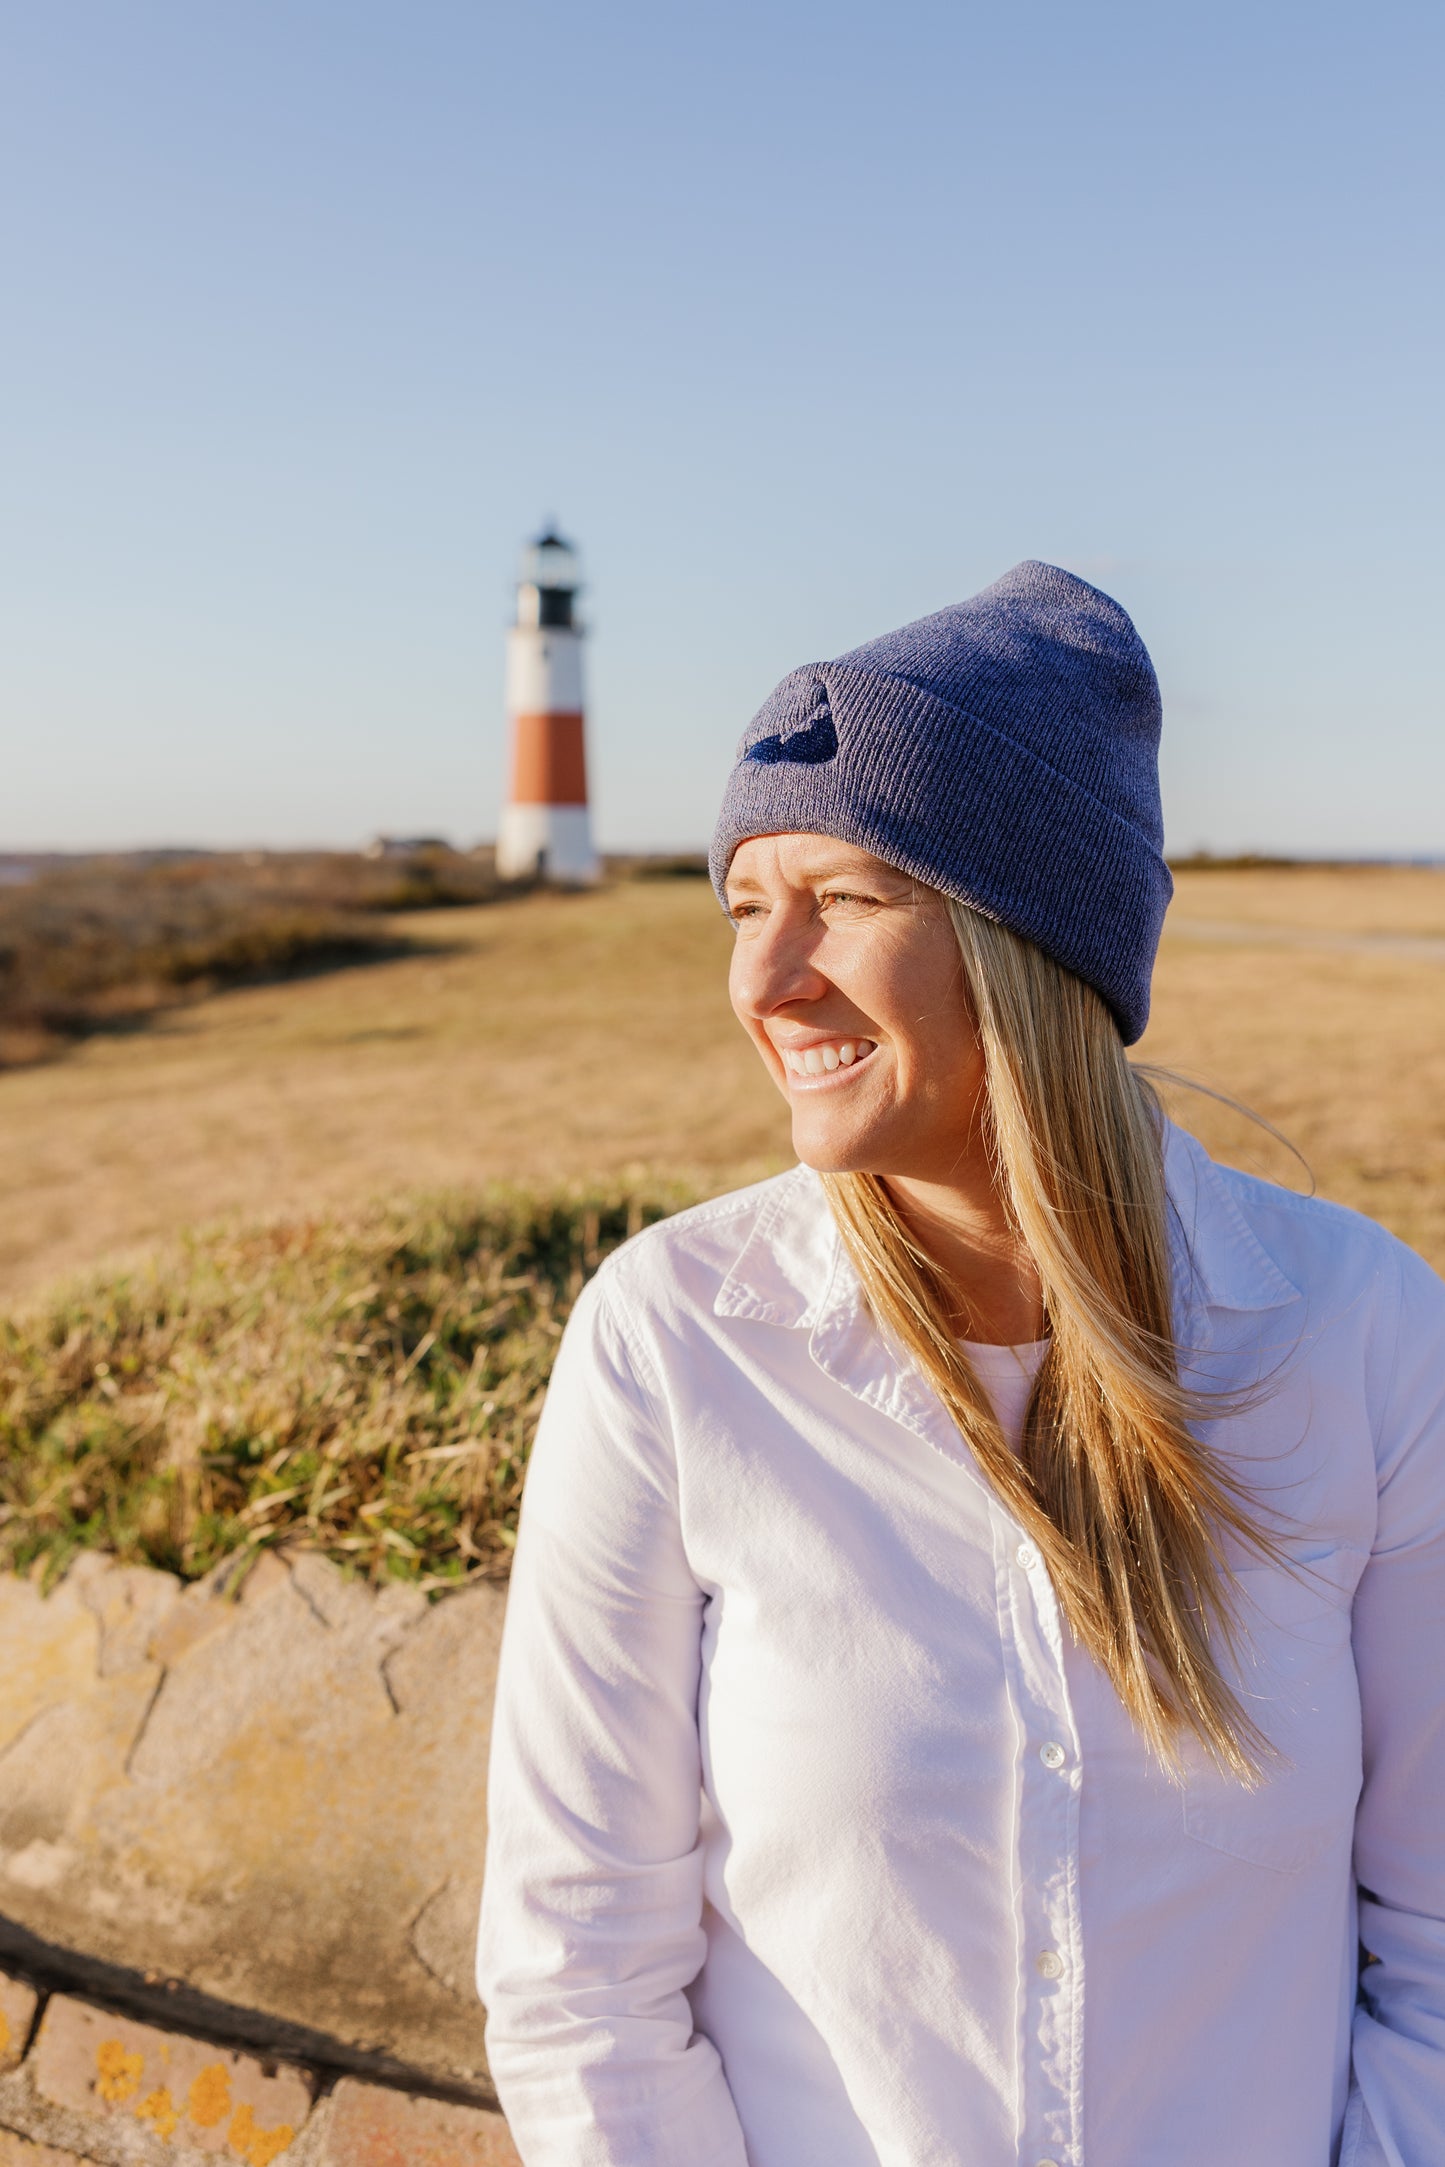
(1422, 947)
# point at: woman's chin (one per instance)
(829, 1148)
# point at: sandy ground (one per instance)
(589, 1034)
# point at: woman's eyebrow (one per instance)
(829, 872)
(822, 873)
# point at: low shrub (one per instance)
(365, 1387)
(98, 941)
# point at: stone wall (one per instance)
(266, 1802)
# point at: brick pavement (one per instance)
(20, 2152)
(370, 2127)
(17, 2014)
(84, 2088)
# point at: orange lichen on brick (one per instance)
(161, 2111)
(209, 2098)
(119, 2071)
(257, 2146)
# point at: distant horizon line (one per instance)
(1201, 858)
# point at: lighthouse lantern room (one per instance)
(545, 831)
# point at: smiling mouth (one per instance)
(826, 1058)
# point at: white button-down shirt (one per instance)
(815, 1839)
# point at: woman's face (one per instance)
(847, 976)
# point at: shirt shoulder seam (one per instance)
(647, 1376)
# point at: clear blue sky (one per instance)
(804, 319)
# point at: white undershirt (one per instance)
(1007, 1375)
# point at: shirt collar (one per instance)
(793, 1268)
(1217, 1259)
(785, 1268)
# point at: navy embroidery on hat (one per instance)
(809, 743)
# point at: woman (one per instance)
(973, 1672)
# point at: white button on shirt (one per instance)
(814, 1836)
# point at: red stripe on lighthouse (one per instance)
(549, 764)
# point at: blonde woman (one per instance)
(974, 1682)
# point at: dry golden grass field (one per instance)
(563, 1036)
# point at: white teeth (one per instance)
(823, 1060)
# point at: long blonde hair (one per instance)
(1126, 1504)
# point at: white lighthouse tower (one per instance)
(545, 832)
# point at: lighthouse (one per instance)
(545, 832)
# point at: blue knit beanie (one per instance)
(1005, 751)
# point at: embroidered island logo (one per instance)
(809, 740)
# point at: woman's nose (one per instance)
(773, 967)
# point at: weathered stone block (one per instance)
(179, 2090)
(129, 1603)
(372, 2127)
(17, 2014)
(276, 1792)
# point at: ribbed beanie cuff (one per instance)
(1005, 752)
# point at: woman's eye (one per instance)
(847, 899)
(739, 912)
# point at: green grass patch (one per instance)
(366, 1387)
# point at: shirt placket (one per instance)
(1050, 1948)
(1050, 1990)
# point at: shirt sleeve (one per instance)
(1396, 2108)
(591, 1923)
